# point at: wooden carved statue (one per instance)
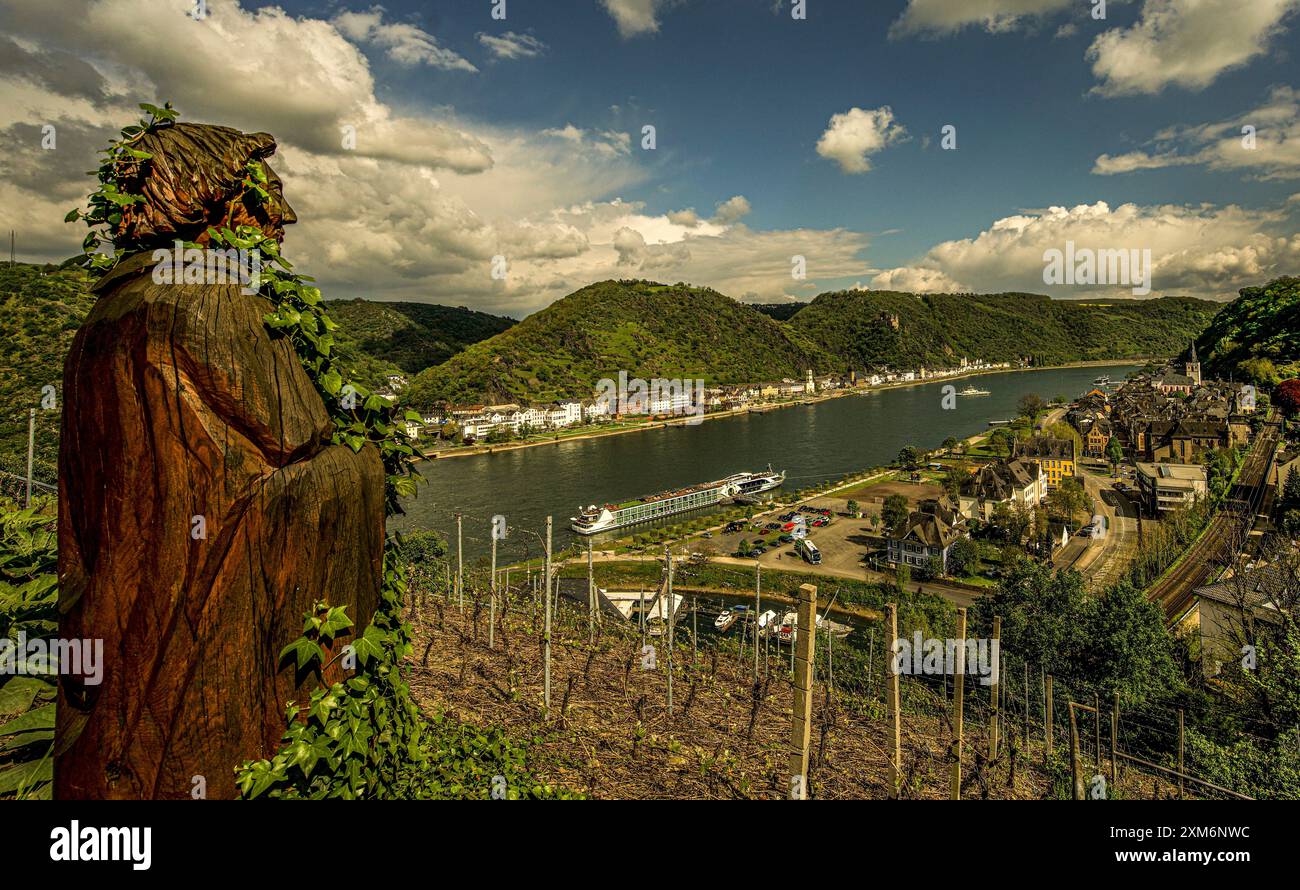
(202, 508)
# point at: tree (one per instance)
(853, 508)
(894, 511)
(1000, 441)
(909, 456)
(950, 444)
(964, 558)
(1291, 488)
(954, 477)
(1114, 453)
(1129, 650)
(1287, 397)
(1031, 405)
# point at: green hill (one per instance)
(875, 329)
(375, 339)
(43, 306)
(1257, 336)
(655, 330)
(647, 329)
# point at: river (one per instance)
(812, 443)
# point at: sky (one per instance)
(494, 154)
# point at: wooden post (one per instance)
(1096, 729)
(801, 710)
(591, 597)
(1048, 714)
(996, 711)
(1114, 745)
(958, 701)
(668, 606)
(546, 632)
(1024, 670)
(695, 632)
(758, 587)
(492, 595)
(1076, 780)
(460, 568)
(1180, 753)
(31, 452)
(891, 701)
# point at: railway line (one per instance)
(1228, 528)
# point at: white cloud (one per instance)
(1184, 43)
(635, 17)
(605, 143)
(731, 210)
(405, 44)
(512, 46)
(417, 211)
(853, 136)
(1206, 251)
(1272, 152)
(943, 17)
(916, 280)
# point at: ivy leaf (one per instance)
(304, 651)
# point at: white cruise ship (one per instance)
(593, 519)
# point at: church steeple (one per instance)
(1194, 366)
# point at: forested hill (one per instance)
(656, 330)
(1257, 336)
(868, 329)
(645, 328)
(376, 338)
(43, 305)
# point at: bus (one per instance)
(808, 550)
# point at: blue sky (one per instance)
(1130, 126)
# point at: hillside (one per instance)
(679, 331)
(44, 305)
(375, 338)
(647, 329)
(41, 315)
(874, 329)
(1257, 336)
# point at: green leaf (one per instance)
(41, 718)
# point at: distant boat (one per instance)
(1103, 380)
(972, 391)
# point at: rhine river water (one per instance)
(812, 443)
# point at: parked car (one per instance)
(773, 526)
(819, 523)
(786, 539)
(735, 527)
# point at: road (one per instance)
(1218, 545)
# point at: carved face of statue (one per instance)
(195, 179)
(270, 216)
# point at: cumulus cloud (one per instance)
(635, 17)
(1184, 43)
(512, 46)
(421, 206)
(917, 280)
(1205, 250)
(1264, 142)
(404, 44)
(852, 137)
(943, 17)
(731, 210)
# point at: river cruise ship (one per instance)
(594, 519)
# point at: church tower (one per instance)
(809, 385)
(1194, 367)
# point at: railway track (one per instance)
(1227, 530)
